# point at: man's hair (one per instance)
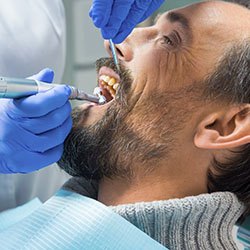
(231, 83)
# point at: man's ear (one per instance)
(224, 129)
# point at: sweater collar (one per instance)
(196, 222)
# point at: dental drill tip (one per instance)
(98, 93)
(102, 100)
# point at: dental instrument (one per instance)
(113, 50)
(98, 93)
(17, 88)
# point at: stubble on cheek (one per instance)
(88, 114)
(80, 114)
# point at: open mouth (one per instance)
(109, 83)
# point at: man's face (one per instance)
(162, 69)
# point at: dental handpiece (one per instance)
(14, 88)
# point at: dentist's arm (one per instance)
(117, 18)
(33, 129)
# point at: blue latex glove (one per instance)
(33, 129)
(117, 18)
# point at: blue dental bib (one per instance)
(71, 221)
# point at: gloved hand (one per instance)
(117, 18)
(33, 129)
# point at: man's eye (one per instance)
(168, 41)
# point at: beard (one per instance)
(120, 141)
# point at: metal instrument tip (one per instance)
(113, 50)
(98, 93)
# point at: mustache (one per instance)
(108, 62)
(125, 78)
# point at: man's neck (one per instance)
(178, 176)
(146, 189)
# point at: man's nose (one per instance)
(125, 50)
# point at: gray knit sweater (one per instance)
(197, 222)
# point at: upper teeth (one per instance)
(105, 78)
(115, 86)
(109, 83)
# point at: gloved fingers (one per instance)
(122, 35)
(4, 168)
(48, 140)
(100, 12)
(45, 75)
(40, 104)
(119, 13)
(134, 16)
(4, 103)
(152, 8)
(25, 165)
(48, 122)
(140, 11)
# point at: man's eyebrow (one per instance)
(157, 17)
(178, 17)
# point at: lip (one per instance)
(102, 107)
(109, 72)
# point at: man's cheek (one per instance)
(94, 113)
(80, 114)
(173, 72)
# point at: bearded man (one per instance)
(170, 150)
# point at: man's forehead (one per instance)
(209, 9)
(216, 15)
